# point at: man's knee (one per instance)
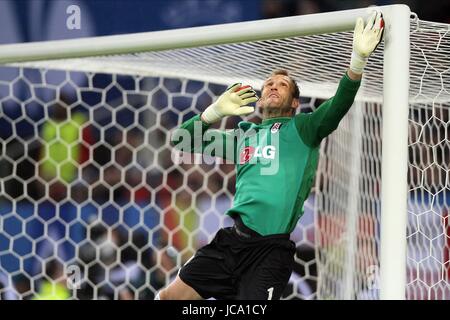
(178, 290)
(162, 295)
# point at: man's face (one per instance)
(277, 93)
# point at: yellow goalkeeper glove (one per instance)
(365, 40)
(233, 102)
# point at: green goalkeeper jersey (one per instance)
(275, 160)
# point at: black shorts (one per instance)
(239, 264)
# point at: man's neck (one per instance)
(270, 113)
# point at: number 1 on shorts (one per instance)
(270, 290)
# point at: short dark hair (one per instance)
(283, 72)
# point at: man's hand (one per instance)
(233, 102)
(365, 40)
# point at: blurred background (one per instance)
(38, 20)
(104, 195)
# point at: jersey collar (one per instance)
(273, 120)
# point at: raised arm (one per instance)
(315, 126)
(194, 134)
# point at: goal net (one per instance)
(95, 203)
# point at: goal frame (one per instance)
(395, 96)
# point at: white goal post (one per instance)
(394, 154)
(207, 55)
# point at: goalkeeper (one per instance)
(254, 258)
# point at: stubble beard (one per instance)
(276, 112)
